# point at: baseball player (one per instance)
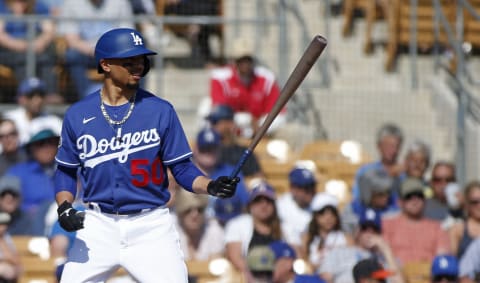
(119, 141)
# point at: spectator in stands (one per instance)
(469, 269)
(370, 271)
(468, 229)
(206, 152)
(368, 243)
(436, 207)
(250, 233)
(80, 35)
(10, 265)
(15, 42)
(401, 231)
(324, 232)
(417, 160)
(200, 238)
(12, 152)
(294, 205)
(197, 35)
(10, 199)
(30, 116)
(36, 178)
(389, 143)
(376, 194)
(249, 89)
(221, 119)
(444, 269)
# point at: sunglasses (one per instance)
(438, 179)
(449, 278)
(414, 195)
(9, 135)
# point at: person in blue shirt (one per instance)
(15, 41)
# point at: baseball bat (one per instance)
(309, 57)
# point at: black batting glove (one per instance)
(70, 219)
(223, 187)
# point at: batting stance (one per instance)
(119, 141)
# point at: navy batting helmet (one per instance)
(121, 43)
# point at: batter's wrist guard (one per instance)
(69, 218)
(223, 187)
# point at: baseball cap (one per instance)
(411, 185)
(208, 138)
(10, 184)
(302, 178)
(261, 258)
(445, 265)
(282, 250)
(262, 189)
(322, 200)
(308, 278)
(374, 181)
(30, 85)
(220, 112)
(370, 268)
(42, 135)
(370, 218)
(227, 208)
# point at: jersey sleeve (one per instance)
(67, 154)
(175, 145)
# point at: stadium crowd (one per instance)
(398, 215)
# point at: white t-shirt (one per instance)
(333, 240)
(240, 229)
(294, 219)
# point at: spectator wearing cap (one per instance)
(253, 230)
(425, 239)
(294, 205)
(10, 199)
(200, 238)
(36, 178)
(469, 268)
(30, 116)
(376, 193)
(221, 119)
(444, 269)
(324, 232)
(368, 243)
(370, 271)
(389, 142)
(12, 153)
(247, 88)
(206, 152)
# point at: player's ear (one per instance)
(104, 66)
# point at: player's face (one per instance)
(127, 71)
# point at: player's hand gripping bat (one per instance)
(309, 57)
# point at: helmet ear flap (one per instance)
(147, 66)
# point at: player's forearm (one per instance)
(64, 196)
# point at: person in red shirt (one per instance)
(247, 88)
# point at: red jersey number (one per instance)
(140, 169)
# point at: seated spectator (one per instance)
(376, 193)
(30, 116)
(415, 247)
(10, 265)
(294, 205)
(82, 32)
(469, 268)
(417, 160)
(368, 243)
(248, 88)
(12, 153)
(436, 206)
(248, 233)
(389, 142)
(468, 229)
(444, 269)
(324, 232)
(227, 209)
(221, 120)
(197, 35)
(370, 271)
(14, 41)
(36, 178)
(200, 238)
(206, 154)
(10, 199)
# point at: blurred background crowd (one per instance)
(382, 187)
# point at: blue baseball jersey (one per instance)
(123, 175)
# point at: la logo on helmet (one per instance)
(136, 39)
